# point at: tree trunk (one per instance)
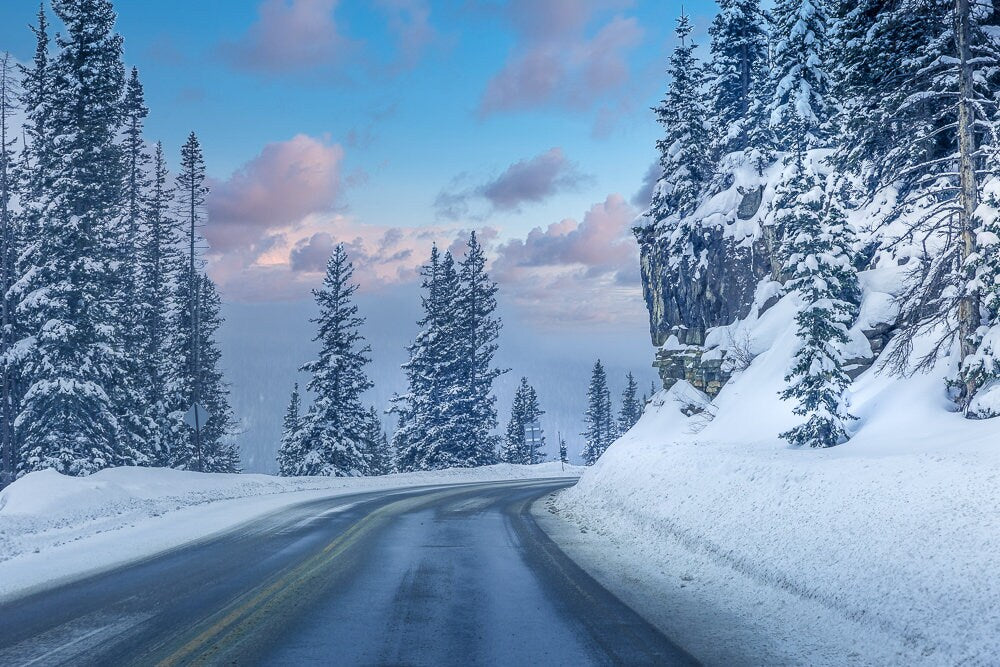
(6, 280)
(968, 307)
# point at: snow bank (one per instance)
(55, 527)
(894, 536)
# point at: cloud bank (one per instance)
(303, 36)
(559, 60)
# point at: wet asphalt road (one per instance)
(455, 575)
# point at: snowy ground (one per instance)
(884, 550)
(55, 528)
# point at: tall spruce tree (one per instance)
(8, 254)
(161, 270)
(73, 356)
(600, 427)
(631, 408)
(686, 148)
(132, 390)
(219, 451)
(335, 426)
(185, 383)
(739, 63)
(478, 329)
(379, 453)
(430, 413)
(35, 171)
(291, 452)
(525, 410)
(800, 110)
(817, 258)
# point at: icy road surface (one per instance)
(452, 575)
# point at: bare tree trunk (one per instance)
(968, 307)
(194, 294)
(6, 279)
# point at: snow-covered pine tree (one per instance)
(35, 171)
(431, 422)
(599, 432)
(524, 410)
(631, 409)
(478, 330)
(686, 148)
(378, 450)
(290, 451)
(563, 453)
(800, 110)
(8, 253)
(412, 409)
(184, 383)
(132, 389)
(927, 89)
(136, 159)
(512, 449)
(161, 267)
(333, 430)
(739, 63)
(38, 153)
(816, 256)
(219, 450)
(72, 346)
(611, 426)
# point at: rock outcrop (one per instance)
(683, 357)
(712, 286)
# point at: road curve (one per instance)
(453, 575)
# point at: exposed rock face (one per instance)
(713, 288)
(684, 358)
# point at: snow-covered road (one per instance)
(457, 574)
(56, 528)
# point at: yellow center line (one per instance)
(253, 605)
(282, 587)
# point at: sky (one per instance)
(389, 125)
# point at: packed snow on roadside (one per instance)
(55, 527)
(885, 549)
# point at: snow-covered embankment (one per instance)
(54, 527)
(883, 550)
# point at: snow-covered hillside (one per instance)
(53, 526)
(893, 535)
(832, 280)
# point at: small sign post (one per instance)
(533, 438)
(196, 417)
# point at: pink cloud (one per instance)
(273, 224)
(284, 183)
(557, 61)
(576, 271)
(294, 260)
(601, 243)
(289, 36)
(301, 36)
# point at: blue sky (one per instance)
(392, 124)
(409, 106)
